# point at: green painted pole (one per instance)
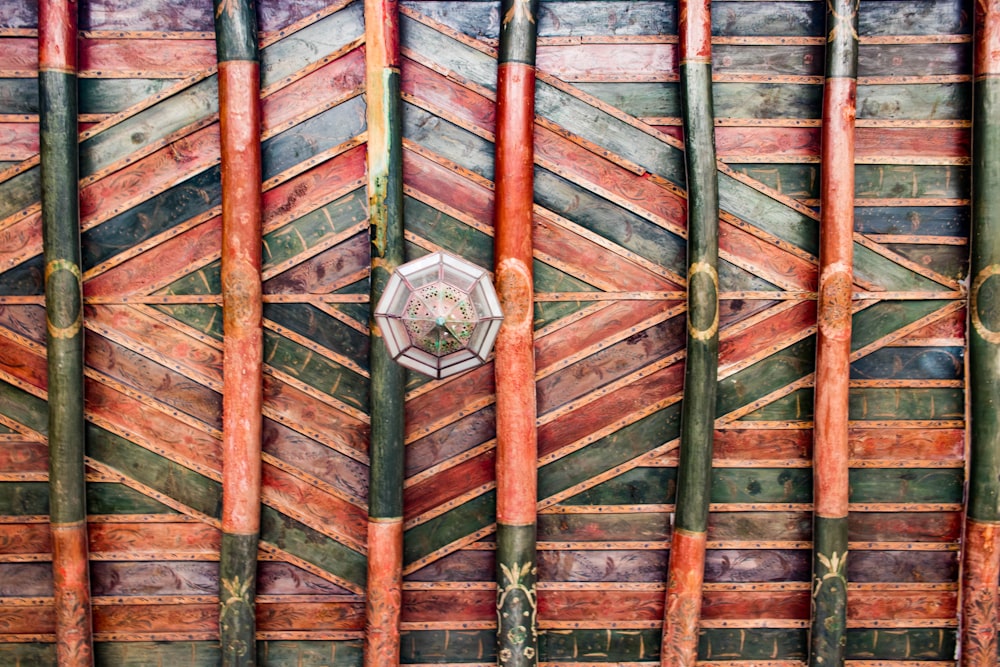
(514, 368)
(385, 215)
(57, 79)
(687, 550)
(981, 547)
(828, 634)
(242, 311)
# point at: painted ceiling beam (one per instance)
(243, 333)
(981, 557)
(59, 158)
(687, 551)
(516, 409)
(388, 379)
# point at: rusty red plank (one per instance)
(314, 418)
(449, 605)
(306, 616)
(449, 484)
(25, 538)
(455, 101)
(454, 398)
(18, 141)
(775, 444)
(907, 444)
(152, 618)
(744, 604)
(902, 605)
(131, 540)
(610, 62)
(336, 79)
(927, 143)
(150, 57)
(751, 143)
(314, 507)
(32, 620)
(773, 330)
(600, 605)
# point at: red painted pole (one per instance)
(517, 444)
(242, 311)
(57, 81)
(833, 339)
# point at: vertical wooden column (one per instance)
(517, 442)
(385, 214)
(833, 339)
(981, 557)
(687, 548)
(242, 309)
(57, 80)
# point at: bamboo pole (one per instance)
(687, 550)
(833, 339)
(242, 309)
(385, 213)
(981, 557)
(57, 79)
(517, 442)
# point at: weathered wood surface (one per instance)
(609, 261)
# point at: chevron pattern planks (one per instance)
(609, 264)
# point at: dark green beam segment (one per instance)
(833, 339)
(981, 568)
(514, 368)
(59, 158)
(239, 120)
(385, 216)
(687, 557)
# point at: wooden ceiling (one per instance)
(609, 262)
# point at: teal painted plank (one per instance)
(871, 324)
(313, 136)
(304, 47)
(447, 646)
(453, 525)
(906, 485)
(289, 357)
(610, 646)
(206, 318)
(99, 96)
(911, 363)
(765, 376)
(24, 498)
(115, 498)
(927, 220)
(761, 485)
(448, 232)
(752, 644)
(24, 408)
(19, 192)
(313, 228)
(302, 541)
(901, 644)
(639, 486)
(872, 404)
(18, 96)
(321, 329)
(156, 654)
(786, 19)
(925, 101)
(310, 653)
(914, 17)
(796, 406)
(448, 140)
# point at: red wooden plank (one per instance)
(130, 540)
(451, 399)
(18, 141)
(609, 62)
(600, 605)
(24, 457)
(310, 616)
(901, 605)
(19, 54)
(25, 538)
(312, 506)
(905, 527)
(774, 330)
(153, 58)
(763, 444)
(952, 326)
(27, 620)
(313, 188)
(907, 444)
(330, 82)
(152, 618)
(449, 484)
(449, 605)
(751, 143)
(314, 418)
(744, 604)
(323, 272)
(20, 239)
(455, 101)
(435, 180)
(925, 143)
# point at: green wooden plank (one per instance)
(299, 49)
(761, 485)
(19, 192)
(447, 646)
(881, 181)
(173, 480)
(752, 644)
(876, 403)
(314, 228)
(612, 450)
(25, 279)
(24, 498)
(901, 644)
(115, 95)
(639, 486)
(750, 18)
(302, 541)
(642, 100)
(115, 498)
(154, 216)
(793, 59)
(29, 654)
(18, 96)
(878, 321)
(874, 268)
(776, 371)
(911, 363)
(204, 280)
(914, 17)
(948, 260)
(928, 220)
(156, 654)
(914, 59)
(448, 140)
(455, 524)
(446, 52)
(321, 329)
(924, 101)
(206, 318)
(447, 232)
(313, 136)
(611, 646)
(769, 214)
(310, 653)
(796, 406)
(906, 485)
(24, 408)
(326, 375)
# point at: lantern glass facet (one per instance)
(439, 315)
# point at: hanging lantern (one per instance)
(439, 315)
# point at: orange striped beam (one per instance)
(833, 338)
(686, 569)
(57, 81)
(517, 439)
(981, 547)
(243, 333)
(385, 217)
